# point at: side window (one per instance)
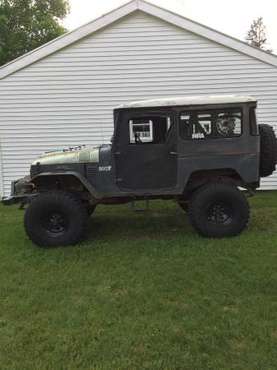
(149, 130)
(211, 124)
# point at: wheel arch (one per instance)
(201, 177)
(65, 179)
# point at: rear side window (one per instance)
(197, 125)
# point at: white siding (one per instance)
(68, 97)
(1, 171)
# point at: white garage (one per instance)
(63, 93)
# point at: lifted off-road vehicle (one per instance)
(207, 153)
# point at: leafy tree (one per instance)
(28, 24)
(256, 36)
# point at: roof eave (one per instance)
(127, 9)
(207, 32)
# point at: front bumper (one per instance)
(20, 192)
(16, 199)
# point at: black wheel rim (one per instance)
(220, 213)
(55, 224)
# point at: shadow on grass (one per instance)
(166, 220)
(164, 223)
(158, 224)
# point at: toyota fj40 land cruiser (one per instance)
(200, 151)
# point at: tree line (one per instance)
(28, 24)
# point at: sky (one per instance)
(232, 17)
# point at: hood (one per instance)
(70, 155)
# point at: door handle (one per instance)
(173, 153)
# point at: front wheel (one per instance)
(219, 210)
(56, 219)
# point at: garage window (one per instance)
(149, 130)
(197, 125)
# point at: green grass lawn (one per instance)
(144, 292)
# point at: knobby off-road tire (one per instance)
(56, 219)
(89, 207)
(218, 210)
(268, 151)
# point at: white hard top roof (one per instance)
(189, 100)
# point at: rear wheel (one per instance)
(219, 210)
(56, 219)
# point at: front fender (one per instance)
(87, 185)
